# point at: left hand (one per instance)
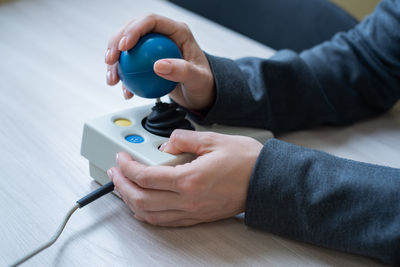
(211, 187)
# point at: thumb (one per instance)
(177, 70)
(198, 143)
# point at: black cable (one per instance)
(99, 192)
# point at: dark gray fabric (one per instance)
(290, 24)
(304, 194)
(356, 75)
(314, 197)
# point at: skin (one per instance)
(209, 188)
(193, 70)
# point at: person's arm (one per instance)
(354, 76)
(312, 196)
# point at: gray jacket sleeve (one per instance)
(305, 194)
(314, 197)
(354, 76)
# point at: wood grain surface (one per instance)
(52, 79)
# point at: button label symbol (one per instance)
(136, 139)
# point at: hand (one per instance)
(193, 71)
(211, 187)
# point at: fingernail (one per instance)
(107, 54)
(163, 67)
(162, 147)
(117, 157)
(110, 174)
(122, 43)
(108, 76)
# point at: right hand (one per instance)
(196, 89)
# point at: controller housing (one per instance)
(105, 136)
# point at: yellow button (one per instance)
(123, 122)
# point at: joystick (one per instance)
(140, 130)
(165, 118)
(135, 69)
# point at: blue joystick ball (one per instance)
(135, 66)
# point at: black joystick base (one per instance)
(165, 118)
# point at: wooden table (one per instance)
(52, 79)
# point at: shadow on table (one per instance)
(225, 242)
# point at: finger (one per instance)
(140, 199)
(139, 218)
(177, 70)
(112, 53)
(122, 185)
(198, 143)
(112, 74)
(151, 177)
(162, 218)
(127, 93)
(178, 94)
(178, 32)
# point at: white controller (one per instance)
(107, 135)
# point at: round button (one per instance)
(123, 122)
(136, 139)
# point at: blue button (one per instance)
(136, 139)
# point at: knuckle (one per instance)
(138, 200)
(152, 16)
(186, 70)
(194, 206)
(191, 68)
(113, 40)
(181, 171)
(152, 218)
(207, 139)
(129, 21)
(174, 137)
(183, 185)
(117, 183)
(125, 26)
(141, 178)
(178, 181)
(184, 26)
(124, 166)
(187, 32)
(139, 203)
(192, 187)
